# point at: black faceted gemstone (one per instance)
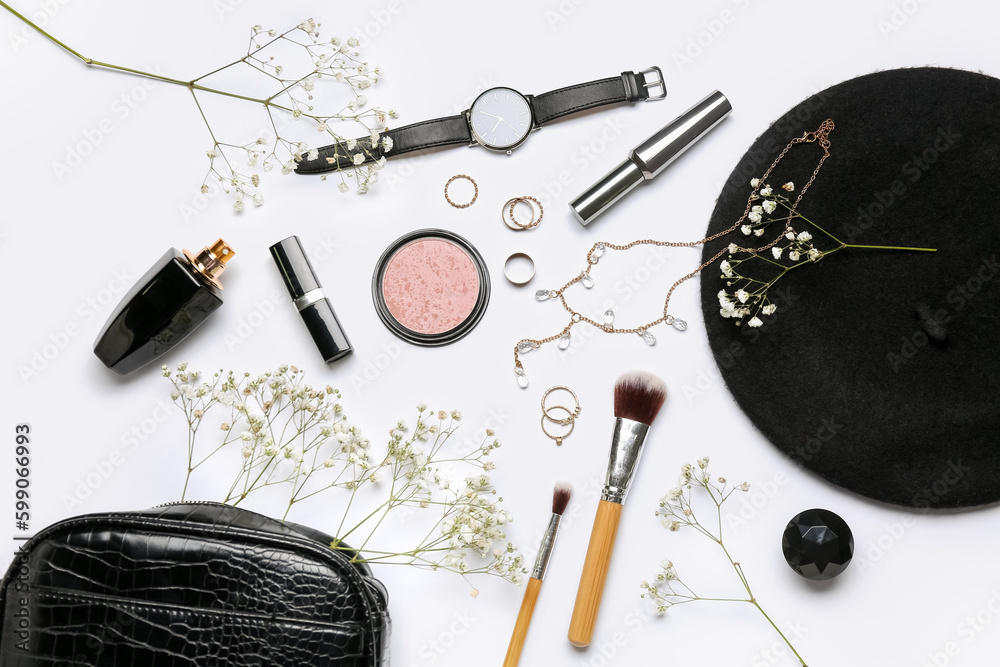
(817, 544)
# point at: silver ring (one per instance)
(520, 281)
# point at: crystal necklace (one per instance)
(563, 338)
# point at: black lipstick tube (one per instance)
(307, 296)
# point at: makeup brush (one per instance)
(560, 499)
(638, 399)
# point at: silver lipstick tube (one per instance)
(652, 156)
(626, 448)
(545, 550)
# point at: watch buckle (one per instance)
(658, 82)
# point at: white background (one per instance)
(907, 597)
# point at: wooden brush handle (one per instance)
(523, 621)
(595, 572)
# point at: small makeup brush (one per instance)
(560, 499)
(638, 399)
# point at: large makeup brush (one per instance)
(560, 499)
(638, 399)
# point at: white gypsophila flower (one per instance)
(769, 206)
(374, 136)
(733, 247)
(804, 236)
(769, 309)
(386, 144)
(361, 101)
(313, 154)
(766, 192)
(814, 254)
(351, 144)
(353, 42)
(755, 322)
(754, 182)
(758, 232)
(258, 199)
(358, 158)
(343, 187)
(321, 127)
(742, 295)
(746, 229)
(727, 269)
(754, 217)
(238, 206)
(793, 255)
(776, 251)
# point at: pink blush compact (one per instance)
(431, 287)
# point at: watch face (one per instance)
(500, 118)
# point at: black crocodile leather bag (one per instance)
(189, 585)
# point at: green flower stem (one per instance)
(889, 247)
(129, 70)
(852, 245)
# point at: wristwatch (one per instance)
(500, 119)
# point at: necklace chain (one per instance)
(821, 136)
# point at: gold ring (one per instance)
(508, 215)
(558, 438)
(475, 196)
(572, 414)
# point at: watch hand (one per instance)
(497, 125)
(509, 125)
(488, 114)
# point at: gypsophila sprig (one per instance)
(290, 435)
(296, 62)
(677, 511)
(750, 273)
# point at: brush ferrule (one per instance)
(626, 447)
(545, 550)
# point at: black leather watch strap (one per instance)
(428, 134)
(629, 87)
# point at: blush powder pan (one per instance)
(431, 287)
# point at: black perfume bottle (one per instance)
(169, 302)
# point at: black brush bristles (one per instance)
(639, 396)
(560, 497)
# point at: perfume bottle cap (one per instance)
(211, 261)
